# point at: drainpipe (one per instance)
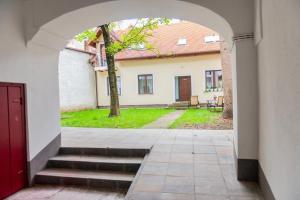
(97, 98)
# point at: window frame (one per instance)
(103, 61)
(214, 81)
(145, 83)
(182, 42)
(108, 88)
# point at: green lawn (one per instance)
(98, 118)
(194, 117)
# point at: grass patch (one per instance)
(98, 118)
(194, 117)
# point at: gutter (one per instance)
(169, 56)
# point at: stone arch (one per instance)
(51, 24)
(60, 29)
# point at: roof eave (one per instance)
(169, 55)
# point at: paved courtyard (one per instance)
(182, 165)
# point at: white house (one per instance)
(188, 64)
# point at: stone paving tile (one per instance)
(206, 158)
(180, 169)
(210, 186)
(182, 148)
(154, 168)
(37, 192)
(159, 157)
(173, 180)
(207, 171)
(46, 192)
(148, 188)
(225, 159)
(224, 150)
(212, 197)
(75, 194)
(144, 196)
(151, 179)
(162, 148)
(181, 189)
(182, 158)
(244, 198)
(204, 149)
(181, 185)
(174, 196)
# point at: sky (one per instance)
(123, 24)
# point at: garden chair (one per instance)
(216, 103)
(194, 101)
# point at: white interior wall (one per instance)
(279, 91)
(37, 68)
(246, 99)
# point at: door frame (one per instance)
(24, 125)
(178, 77)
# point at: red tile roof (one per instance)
(166, 37)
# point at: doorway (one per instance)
(183, 88)
(12, 139)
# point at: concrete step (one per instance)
(99, 179)
(178, 105)
(118, 152)
(122, 164)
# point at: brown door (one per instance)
(12, 139)
(184, 88)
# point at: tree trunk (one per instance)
(114, 97)
(227, 81)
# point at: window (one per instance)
(102, 55)
(182, 41)
(140, 46)
(212, 38)
(145, 84)
(118, 85)
(214, 79)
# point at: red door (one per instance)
(12, 139)
(185, 88)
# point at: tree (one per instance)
(136, 36)
(227, 81)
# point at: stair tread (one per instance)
(108, 148)
(98, 159)
(76, 173)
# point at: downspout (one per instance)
(97, 98)
(92, 63)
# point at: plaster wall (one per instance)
(279, 97)
(77, 84)
(36, 67)
(164, 72)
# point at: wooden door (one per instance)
(12, 139)
(5, 181)
(185, 92)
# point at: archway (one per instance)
(55, 28)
